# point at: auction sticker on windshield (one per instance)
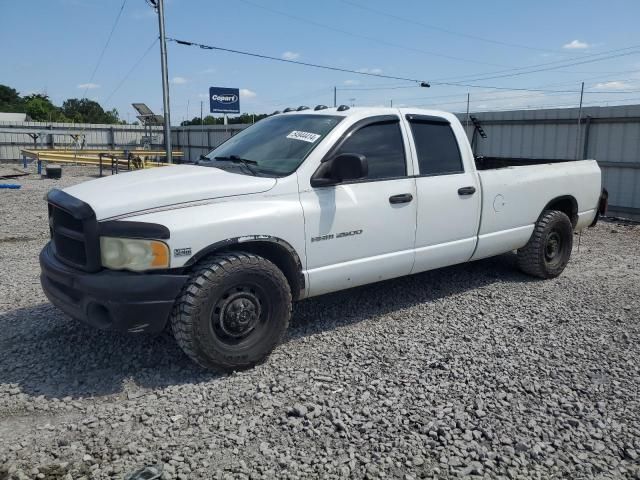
(304, 136)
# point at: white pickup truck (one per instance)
(300, 204)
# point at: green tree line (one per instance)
(211, 120)
(40, 108)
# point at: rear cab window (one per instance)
(436, 146)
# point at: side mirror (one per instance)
(346, 166)
(204, 157)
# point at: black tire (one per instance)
(232, 312)
(549, 248)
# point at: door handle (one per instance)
(466, 191)
(402, 198)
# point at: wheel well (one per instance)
(566, 204)
(281, 254)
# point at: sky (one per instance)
(494, 50)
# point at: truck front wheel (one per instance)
(549, 248)
(232, 312)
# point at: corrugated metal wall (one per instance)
(193, 140)
(611, 135)
(198, 140)
(15, 135)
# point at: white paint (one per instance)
(386, 230)
(528, 189)
(445, 219)
(496, 243)
(135, 192)
(585, 219)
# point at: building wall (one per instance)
(611, 135)
(199, 140)
(193, 140)
(15, 136)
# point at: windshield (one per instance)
(277, 145)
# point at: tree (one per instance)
(211, 120)
(88, 111)
(10, 100)
(40, 109)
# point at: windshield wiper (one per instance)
(236, 159)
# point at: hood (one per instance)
(134, 192)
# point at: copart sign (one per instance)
(224, 100)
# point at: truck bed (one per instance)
(513, 195)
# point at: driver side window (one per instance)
(382, 144)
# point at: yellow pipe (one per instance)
(146, 153)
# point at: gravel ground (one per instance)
(472, 370)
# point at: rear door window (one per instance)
(437, 148)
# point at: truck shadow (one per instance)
(43, 352)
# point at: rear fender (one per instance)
(603, 204)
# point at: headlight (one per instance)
(133, 254)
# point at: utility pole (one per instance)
(159, 4)
(335, 96)
(391, 103)
(578, 131)
(201, 121)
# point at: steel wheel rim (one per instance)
(554, 247)
(238, 313)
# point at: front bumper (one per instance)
(109, 300)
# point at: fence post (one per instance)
(585, 146)
(189, 141)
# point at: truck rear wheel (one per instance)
(232, 312)
(549, 248)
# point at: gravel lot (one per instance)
(472, 370)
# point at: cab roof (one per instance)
(363, 112)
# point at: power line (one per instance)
(484, 99)
(563, 62)
(135, 65)
(560, 105)
(505, 88)
(445, 30)
(358, 89)
(371, 74)
(296, 62)
(368, 38)
(546, 92)
(104, 49)
(557, 64)
(515, 74)
(610, 92)
(539, 88)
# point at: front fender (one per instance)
(196, 230)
